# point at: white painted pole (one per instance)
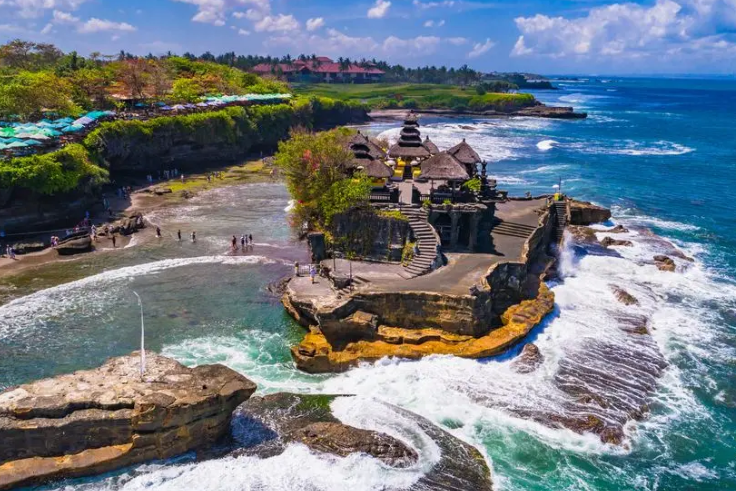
(143, 338)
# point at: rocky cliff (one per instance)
(93, 421)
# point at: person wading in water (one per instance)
(235, 242)
(194, 236)
(178, 235)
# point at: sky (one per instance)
(548, 37)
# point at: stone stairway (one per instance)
(512, 229)
(426, 241)
(358, 281)
(561, 209)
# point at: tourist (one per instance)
(416, 249)
(194, 236)
(235, 242)
(178, 235)
(250, 240)
(242, 242)
(93, 232)
(312, 272)
(296, 268)
(158, 231)
(114, 240)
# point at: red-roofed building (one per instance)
(321, 69)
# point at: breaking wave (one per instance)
(545, 145)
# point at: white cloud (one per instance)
(215, 11)
(458, 41)
(100, 25)
(280, 22)
(37, 8)
(115, 37)
(420, 45)
(314, 24)
(64, 18)
(239, 15)
(431, 23)
(47, 28)
(631, 31)
(481, 48)
(432, 5)
(379, 9)
(243, 32)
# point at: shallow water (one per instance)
(661, 154)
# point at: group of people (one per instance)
(245, 241)
(214, 175)
(10, 252)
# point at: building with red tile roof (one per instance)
(321, 69)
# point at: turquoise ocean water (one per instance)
(661, 153)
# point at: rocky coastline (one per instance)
(537, 111)
(95, 421)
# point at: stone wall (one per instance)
(370, 235)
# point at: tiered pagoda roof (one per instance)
(465, 154)
(409, 145)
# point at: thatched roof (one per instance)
(360, 143)
(464, 153)
(377, 169)
(445, 167)
(430, 146)
(407, 150)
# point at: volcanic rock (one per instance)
(342, 440)
(28, 247)
(160, 191)
(94, 421)
(529, 359)
(584, 213)
(618, 229)
(75, 245)
(608, 242)
(264, 426)
(664, 263)
(623, 296)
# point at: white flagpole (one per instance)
(143, 338)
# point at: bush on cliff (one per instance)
(312, 163)
(59, 172)
(141, 145)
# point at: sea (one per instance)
(661, 153)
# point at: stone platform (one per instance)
(94, 421)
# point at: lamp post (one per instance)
(143, 337)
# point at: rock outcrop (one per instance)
(264, 426)
(584, 213)
(343, 440)
(94, 421)
(75, 245)
(623, 296)
(529, 360)
(611, 242)
(664, 263)
(315, 354)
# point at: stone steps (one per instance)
(512, 229)
(561, 209)
(426, 242)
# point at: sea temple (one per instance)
(444, 262)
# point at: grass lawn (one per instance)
(422, 96)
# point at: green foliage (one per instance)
(393, 214)
(421, 96)
(447, 202)
(312, 163)
(407, 253)
(343, 195)
(58, 172)
(426, 204)
(186, 90)
(27, 93)
(472, 185)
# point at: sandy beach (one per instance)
(143, 200)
